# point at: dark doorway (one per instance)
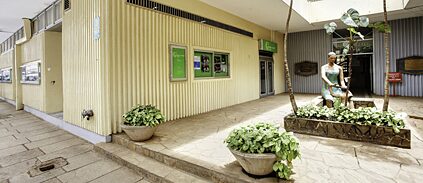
(361, 75)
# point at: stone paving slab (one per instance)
(20, 157)
(121, 175)
(81, 160)
(89, 172)
(12, 150)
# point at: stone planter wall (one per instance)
(364, 133)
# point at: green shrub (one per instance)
(266, 138)
(361, 116)
(143, 115)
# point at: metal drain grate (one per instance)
(42, 167)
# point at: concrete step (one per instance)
(232, 173)
(149, 168)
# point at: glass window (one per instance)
(31, 73)
(221, 64)
(6, 75)
(211, 64)
(203, 64)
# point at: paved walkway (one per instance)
(200, 138)
(26, 140)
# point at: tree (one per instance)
(287, 76)
(353, 21)
(387, 59)
(384, 28)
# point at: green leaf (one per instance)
(347, 20)
(363, 21)
(330, 28)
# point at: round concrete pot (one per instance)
(138, 133)
(256, 164)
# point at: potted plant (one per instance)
(141, 122)
(262, 148)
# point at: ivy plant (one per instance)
(361, 116)
(143, 115)
(267, 138)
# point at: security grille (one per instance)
(183, 14)
(67, 5)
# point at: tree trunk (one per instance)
(350, 57)
(387, 59)
(287, 77)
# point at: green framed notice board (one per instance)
(178, 63)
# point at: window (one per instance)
(177, 63)
(66, 5)
(41, 22)
(6, 75)
(211, 64)
(31, 73)
(35, 26)
(221, 65)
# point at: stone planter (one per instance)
(256, 164)
(138, 133)
(364, 133)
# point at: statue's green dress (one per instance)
(332, 75)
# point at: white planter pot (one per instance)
(256, 164)
(138, 133)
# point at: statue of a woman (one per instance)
(331, 74)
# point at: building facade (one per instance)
(109, 55)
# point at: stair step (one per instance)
(151, 169)
(231, 173)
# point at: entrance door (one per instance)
(266, 77)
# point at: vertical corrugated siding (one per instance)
(307, 46)
(7, 90)
(32, 95)
(405, 40)
(139, 64)
(82, 80)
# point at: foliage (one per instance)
(143, 115)
(380, 26)
(361, 116)
(352, 20)
(267, 138)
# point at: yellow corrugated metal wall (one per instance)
(52, 69)
(32, 95)
(7, 90)
(129, 64)
(82, 60)
(139, 64)
(279, 73)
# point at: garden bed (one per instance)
(364, 133)
(319, 121)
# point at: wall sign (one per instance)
(31, 73)
(394, 77)
(410, 65)
(6, 75)
(269, 46)
(96, 28)
(306, 68)
(178, 63)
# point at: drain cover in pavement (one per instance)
(41, 167)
